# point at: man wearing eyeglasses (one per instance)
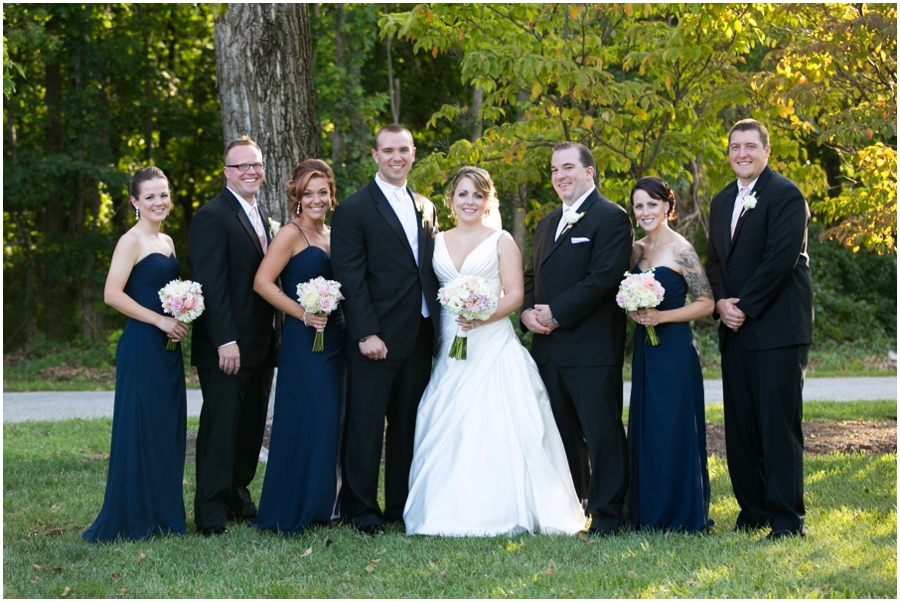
(233, 343)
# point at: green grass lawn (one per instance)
(54, 475)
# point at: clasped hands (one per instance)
(731, 316)
(646, 317)
(539, 320)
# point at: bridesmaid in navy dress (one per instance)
(146, 455)
(669, 484)
(302, 482)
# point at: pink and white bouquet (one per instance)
(183, 300)
(319, 296)
(471, 297)
(641, 291)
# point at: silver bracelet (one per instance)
(304, 320)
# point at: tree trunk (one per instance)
(264, 71)
(477, 101)
(337, 137)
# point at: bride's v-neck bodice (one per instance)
(482, 261)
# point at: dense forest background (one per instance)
(94, 91)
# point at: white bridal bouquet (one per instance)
(183, 300)
(471, 297)
(319, 296)
(641, 291)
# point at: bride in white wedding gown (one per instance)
(488, 458)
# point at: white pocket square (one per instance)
(579, 240)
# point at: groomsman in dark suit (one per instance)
(382, 244)
(759, 271)
(579, 256)
(234, 341)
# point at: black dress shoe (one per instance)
(602, 528)
(371, 529)
(214, 530)
(784, 533)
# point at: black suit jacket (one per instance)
(224, 255)
(579, 281)
(765, 265)
(381, 283)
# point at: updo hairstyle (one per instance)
(144, 174)
(659, 190)
(483, 184)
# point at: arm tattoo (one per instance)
(640, 259)
(693, 274)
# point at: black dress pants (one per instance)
(587, 406)
(232, 425)
(379, 390)
(763, 394)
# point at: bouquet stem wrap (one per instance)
(459, 346)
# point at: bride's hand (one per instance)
(649, 317)
(467, 325)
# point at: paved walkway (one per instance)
(19, 407)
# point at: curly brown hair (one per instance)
(305, 171)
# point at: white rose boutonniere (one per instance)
(274, 227)
(750, 202)
(573, 218)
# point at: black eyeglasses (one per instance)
(246, 166)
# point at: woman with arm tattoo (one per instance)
(669, 484)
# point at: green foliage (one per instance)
(833, 70)
(54, 474)
(104, 89)
(855, 296)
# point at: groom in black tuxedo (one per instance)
(382, 244)
(579, 256)
(759, 271)
(234, 341)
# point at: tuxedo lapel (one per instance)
(241, 216)
(421, 228)
(387, 212)
(566, 234)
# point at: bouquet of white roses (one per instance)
(471, 297)
(183, 300)
(319, 296)
(641, 291)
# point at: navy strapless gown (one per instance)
(302, 482)
(669, 485)
(146, 454)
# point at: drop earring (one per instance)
(298, 208)
(137, 214)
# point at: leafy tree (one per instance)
(833, 69)
(106, 89)
(644, 86)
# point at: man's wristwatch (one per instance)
(364, 339)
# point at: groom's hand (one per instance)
(545, 317)
(530, 320)
(230, 359)
(373, 348)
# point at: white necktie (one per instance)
(738, 208)
(258, 227)
(562, 222)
